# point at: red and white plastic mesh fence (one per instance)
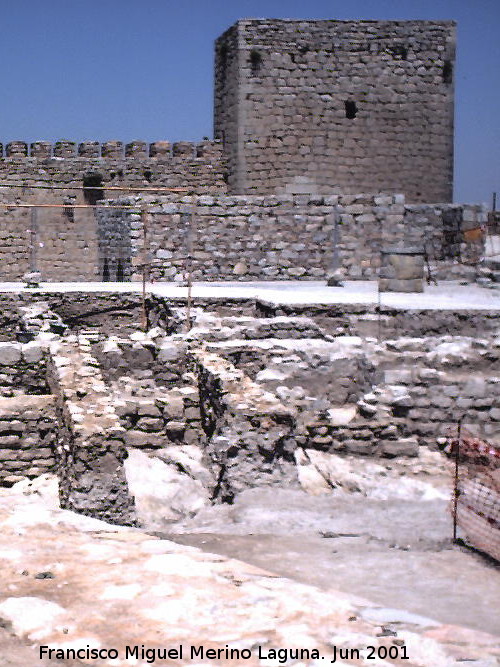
(478, 492)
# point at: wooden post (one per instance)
(455, 485)
(189, 243)
(144, 316)
(33, 240)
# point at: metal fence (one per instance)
(476, 497)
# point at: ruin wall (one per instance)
(28, 435)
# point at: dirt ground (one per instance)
(395, 551)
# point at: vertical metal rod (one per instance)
(189, 240)
(336, 230)
(379, 321)
(455, 485)
(144, 318)
(33, 240)
(494, 202)
(379, 298)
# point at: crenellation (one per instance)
(63, 149)
(136, 149)
(16, 149)
(89, 149)
(41, 150)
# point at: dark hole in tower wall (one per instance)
(398, 51)
(350, 109)
(447, 71)
(255, 61)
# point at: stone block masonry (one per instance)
(337, 106)
(197, 166)
(280, 237)
(28, 434)
(260, 238)
(22, 369)
(91, 451)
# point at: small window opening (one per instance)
(148, 175)
(255, 61)
(93, 190)
(447, 71)
(350, 109)
(398, 51)
(68, 210)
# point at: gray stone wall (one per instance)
(196, 166)
(249, 433)
(285, 237)
(91, 451)
(275, 237)
(337, 106)
(263, 238)
(28, 436)
(23, 369)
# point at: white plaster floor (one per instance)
(445, 296)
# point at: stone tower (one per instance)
(337, 106)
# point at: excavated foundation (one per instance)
(254, 394)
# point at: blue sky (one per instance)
(125, 69)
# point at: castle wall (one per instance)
(61, 243)
(281, 237)
(288, 237)
(337, 106)
(196, 166)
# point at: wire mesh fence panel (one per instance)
(476, 502)
(70, 243)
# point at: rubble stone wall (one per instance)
(234, 238)
(337, 106)
(363, 320)
(286, 237)
(91, 450)
(437, 403)
(156, 398)
(23, 368)
(28, 435)
(248, 431)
